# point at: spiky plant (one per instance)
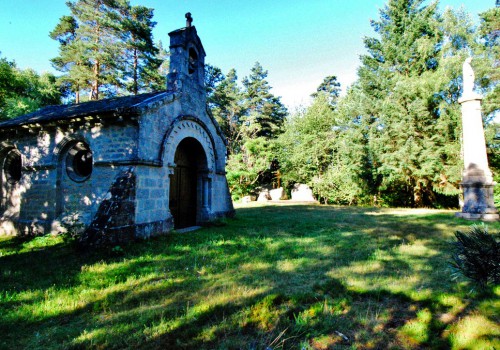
(476, 255)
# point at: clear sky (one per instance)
(298, 41)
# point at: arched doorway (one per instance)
(186, 183)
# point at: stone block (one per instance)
(264, 196)
(142, 193)
(277, 194)
(248, 199)
(302, 193)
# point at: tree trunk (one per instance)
(136, 83)
(418, 195)
(94, 93)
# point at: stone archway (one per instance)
(188, 192)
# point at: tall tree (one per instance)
(99, 23)
(163, 69)
(265, 113)
(226, 101)
(302, 156)
(489, 31)
(71, 59)
(489, 54)
(142, 61)
(107, 45)
(331, 87)
(213, 77)
(414, 134)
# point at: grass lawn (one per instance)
(276, 276)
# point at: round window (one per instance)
(12, 166)
(79, 162)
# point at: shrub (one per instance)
(476, 255)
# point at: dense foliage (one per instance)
(395, 138)
(24, 91)
(107, 48)
(410, 111)
(251, 118)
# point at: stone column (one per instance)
(477, 181)
(205, 192)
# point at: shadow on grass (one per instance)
(278, 276)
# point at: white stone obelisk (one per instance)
(477, 181)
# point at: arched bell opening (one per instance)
(189, 184)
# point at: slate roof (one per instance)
(48, 114)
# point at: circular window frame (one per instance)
(11, 160)
(76, 171)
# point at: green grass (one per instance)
(277, 276)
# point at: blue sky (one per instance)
(298, 41)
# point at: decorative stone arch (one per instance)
(188, 126)
(64, 152)
(189, 132)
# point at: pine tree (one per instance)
(99, 26)
(409, 84)
(71, 59)
(107, 45)
(226, 101)
(265, 113)
(213, 77)
(487, 64)
(142, 64)
(489, 31)
(331, 87)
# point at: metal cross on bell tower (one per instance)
(189, 20)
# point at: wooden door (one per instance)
(183, 200)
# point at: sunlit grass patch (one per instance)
(475, 332)
(415, 332)
(277, 276)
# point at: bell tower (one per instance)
(187, 61)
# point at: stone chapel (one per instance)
(120, 168)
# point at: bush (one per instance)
(476, 255)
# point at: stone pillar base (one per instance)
(478, 202)
(482, 217)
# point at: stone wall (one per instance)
(46, 194)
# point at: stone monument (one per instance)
(477, 181)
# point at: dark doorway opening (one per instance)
(186, 183)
